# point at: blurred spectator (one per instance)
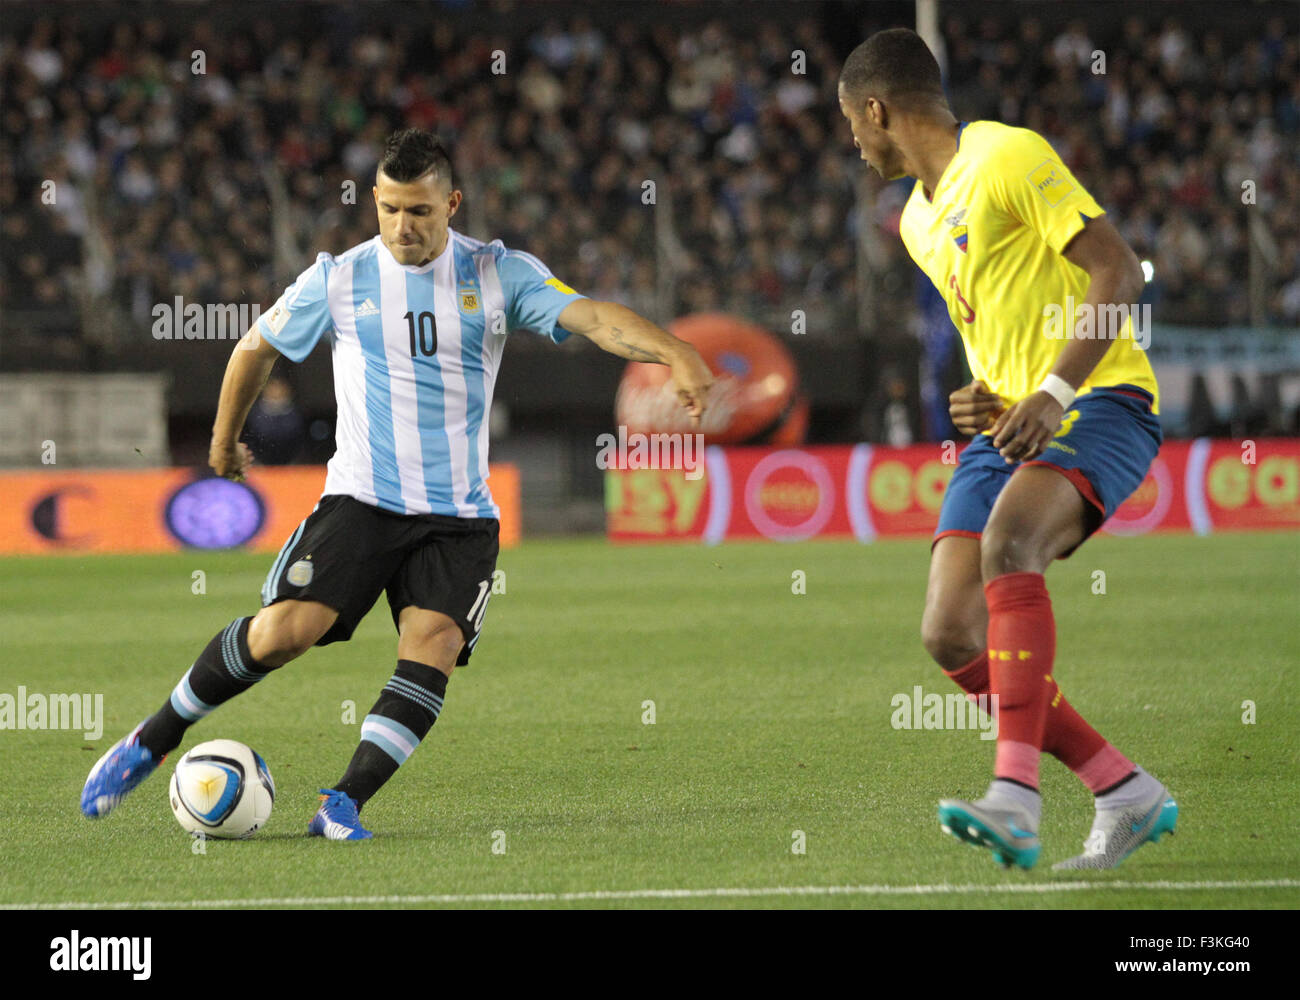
(275, 427)
(896, 419)
(176, 170)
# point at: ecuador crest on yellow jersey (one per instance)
(990, 238)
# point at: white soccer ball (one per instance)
(222, 788)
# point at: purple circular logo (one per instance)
(214, 513)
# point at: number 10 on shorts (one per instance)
(479, 607)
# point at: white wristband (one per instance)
(1059, 389)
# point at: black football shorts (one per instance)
(347, 552)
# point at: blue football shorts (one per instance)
(1105, 446)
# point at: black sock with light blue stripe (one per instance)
(406, 710)
(223, 670)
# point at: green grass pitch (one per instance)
(772, 715)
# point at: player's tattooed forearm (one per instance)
(632, 349)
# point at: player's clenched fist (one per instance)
(692, 378)
(973, 407)
(230, 459)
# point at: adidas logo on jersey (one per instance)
(367, 308)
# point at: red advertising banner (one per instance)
(1251, 484)
(165, 510)
(864, 491)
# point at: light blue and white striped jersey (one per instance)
(416, 352)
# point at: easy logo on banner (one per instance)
(865, 492)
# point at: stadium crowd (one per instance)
(219, 185)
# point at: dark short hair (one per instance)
(411, 153)
(894, 64)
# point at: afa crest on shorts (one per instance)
(300, 573)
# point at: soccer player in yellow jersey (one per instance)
(1063, 418)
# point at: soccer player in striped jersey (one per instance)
(1063, 421)
(416, 318)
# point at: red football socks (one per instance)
(1022, 645)
(1064, 733)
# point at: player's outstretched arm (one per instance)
(1023, 431)
(246, 373)
(618, 330)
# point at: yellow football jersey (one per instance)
(990, 238)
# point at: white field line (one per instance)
(599, 896)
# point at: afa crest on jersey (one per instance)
(469, 298)
(958, 231)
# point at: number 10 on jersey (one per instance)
(424, 334)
